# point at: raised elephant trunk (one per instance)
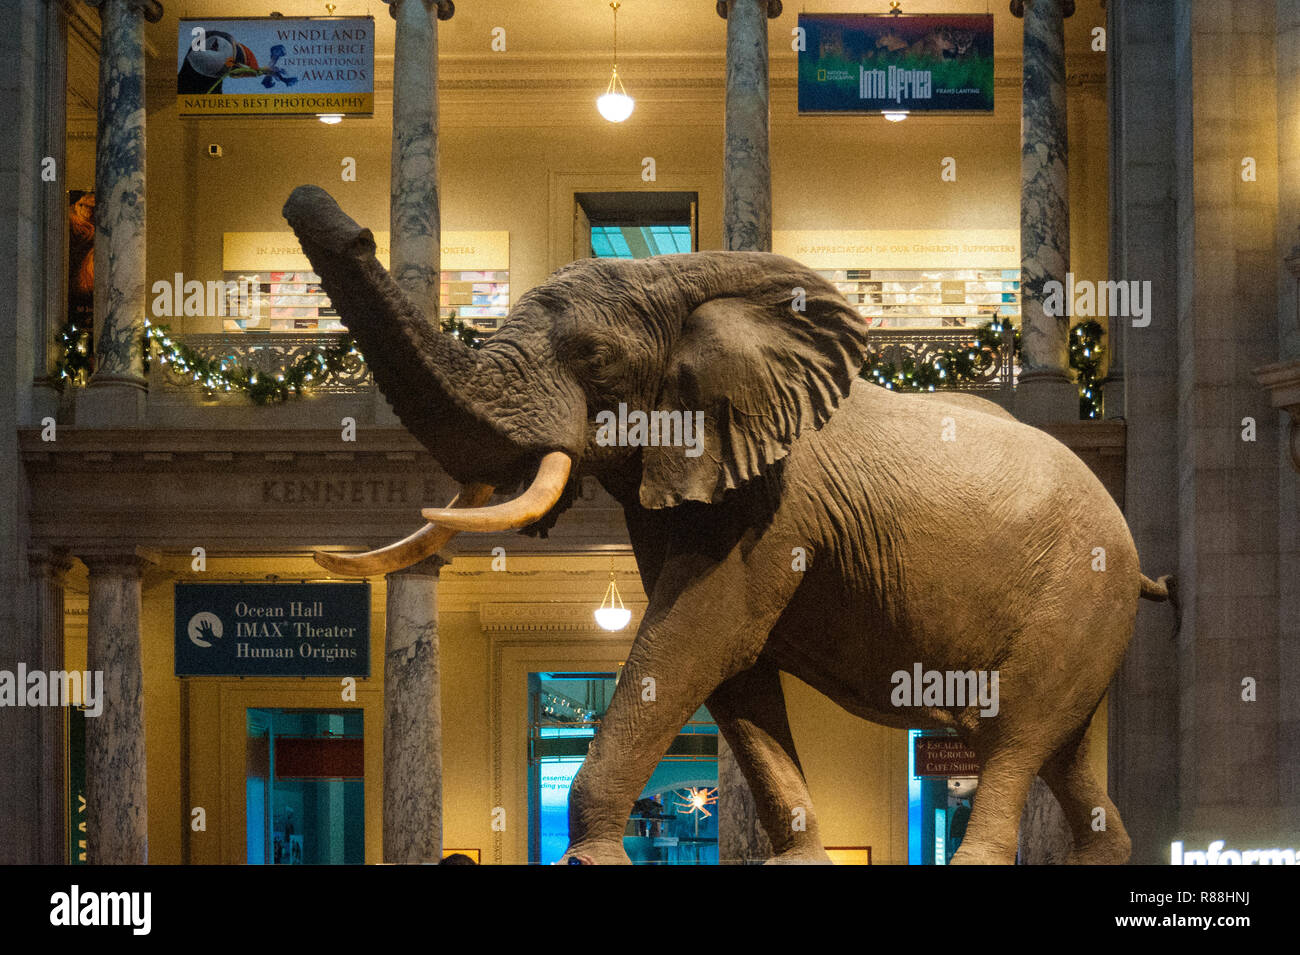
(472, 409)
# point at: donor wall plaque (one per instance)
(273, 630)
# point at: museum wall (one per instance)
(1288, 310)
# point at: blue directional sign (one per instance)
(273, 630)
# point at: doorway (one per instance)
(634, 225)
(305, 787)
(674, 822)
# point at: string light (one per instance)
(226, 374)
(968, 362)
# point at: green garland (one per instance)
(963, 365)
(74, 363)
(227, 374)
(952, 367)
(218, 375)
(1086, 354)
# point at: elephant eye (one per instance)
(588, 350)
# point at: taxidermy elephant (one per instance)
(818, 524)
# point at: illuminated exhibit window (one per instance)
(617, 242)
(930, 298)
(295, 302)
(305, 788)
(941, 782)
(674, 822)
(633, 225)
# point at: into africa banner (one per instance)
(871, 63)
(276, 66)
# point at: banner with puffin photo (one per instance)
(880, 63)
(276, 66)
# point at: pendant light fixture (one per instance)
(615, 105)
(611, 614)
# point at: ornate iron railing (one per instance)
(271, 352)
(268, 353)
(923, 345)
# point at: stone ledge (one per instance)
(1282, 381)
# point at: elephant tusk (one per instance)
(425, 542)
(552, 475)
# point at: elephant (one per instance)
(821, 525)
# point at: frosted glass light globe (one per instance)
(615, 107)
(613, 618)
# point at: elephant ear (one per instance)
(762, 372)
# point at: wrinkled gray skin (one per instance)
(967, 554)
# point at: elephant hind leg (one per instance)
(992, 835)
(750, 711)
(1071, 779)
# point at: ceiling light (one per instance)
(612, 615)
(615, 105)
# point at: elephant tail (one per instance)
(1158, 590)
(1166, 588)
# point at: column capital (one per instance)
(152, 9)
(1067, 7)
(51, 562)
(446, 8)
(429, 567)
(773, 8)
(117, 559)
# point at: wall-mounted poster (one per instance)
(81, 262)
(276, 66)
(869, 63)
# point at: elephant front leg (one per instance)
(655, 697)
(707, 621)
(751, 714)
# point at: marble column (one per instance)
(47, 570)
(414, 211)
(412, 716)
(746, 226)
(53, 209)
(1046, 390)
(115, 397)
(116, 810)
(746, 169)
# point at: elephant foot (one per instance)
(981, 855)
(595, 853)
(801, 855)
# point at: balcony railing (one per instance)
(271, 352)
(923, 345)
(268, 353)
